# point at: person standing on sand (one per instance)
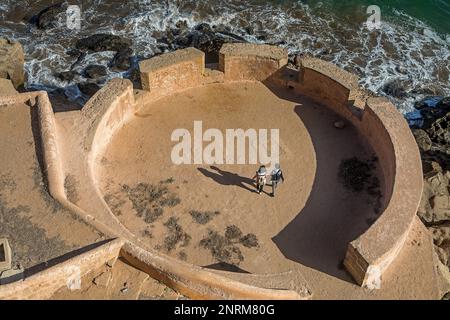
(276, 177)
(260, 177)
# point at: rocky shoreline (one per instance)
(433, 138)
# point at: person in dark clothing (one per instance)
(276, 178)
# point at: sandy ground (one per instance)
(307, 225)
(118, 281)
(38, 228)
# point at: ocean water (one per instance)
(412, 45)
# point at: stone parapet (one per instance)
(245, 61)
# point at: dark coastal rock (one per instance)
(427, 102)
(422, 139)
(444, 104)
(67, 75)
(103, 42)
(51, 17)
(250, 30)
(205, 37)
(122, 60)
(95, 71)
(203, 27)
(182, 25)
(74, 52)
(439, 132)
(396, 88)
(434, 206)
(431, 109)
(429, 90)
(12, 61)
(88, 88)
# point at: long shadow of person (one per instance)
(228, 178)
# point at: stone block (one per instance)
(11, 275)
(5, 255)
(11, 62)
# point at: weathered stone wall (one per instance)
(173, 71)
(11, 62)
(245, 61)
(200, 283)
(45, 283)
(388, 134)
(106, 112)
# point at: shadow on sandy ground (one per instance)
(223, 266)
(227, 178)
(319, 235)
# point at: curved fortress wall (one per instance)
(367, 257)
(377, 120)
(384, 128)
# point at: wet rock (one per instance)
(74, 52)
(88, 88)
(67, 76)
(429, 90)
(444, 104)
(396, 88)
(103, 42)
(205, 37)
(51, 17)
(181, 25)
(203, 27)
(96, 71)
(11, 62)
(122, 60)
(422, 139)
(250, 30)
(427, 102)
(432, 108)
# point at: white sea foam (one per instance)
(408, 50)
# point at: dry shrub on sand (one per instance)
(203, 217)
(225, 248)
(175, 236)
(150, 200)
